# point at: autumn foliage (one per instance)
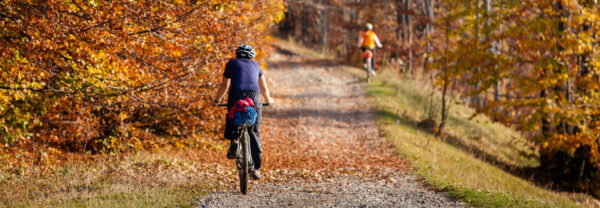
(104, 76)
(540, 61)
(532, 65)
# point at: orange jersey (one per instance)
(368, 38)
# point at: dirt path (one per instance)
(322, 147)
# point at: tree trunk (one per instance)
(410, 36)
(477, 98)
(298, 20)
(401, 26)
(404, 16)
(492, 50)
(323, 29)
(545, 121)
(438, 133)
(428, 32)
(444, 115)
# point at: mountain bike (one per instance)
(243, 158)
(368, 66)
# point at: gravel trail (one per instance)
(322, 147)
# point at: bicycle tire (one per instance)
(245, 140)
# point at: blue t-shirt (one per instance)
(244, 74)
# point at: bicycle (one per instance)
(243, 159)
(368, 66)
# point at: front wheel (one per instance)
(245, 158)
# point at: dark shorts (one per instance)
(231, 130)
(373, 60)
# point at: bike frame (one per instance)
(243, 159)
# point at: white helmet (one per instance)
(368, 26)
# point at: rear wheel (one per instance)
(245, 143)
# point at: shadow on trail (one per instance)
(296, 60)
(336, 115)
(284, 51)
(305, 64)
(358, 81)
(319, 95)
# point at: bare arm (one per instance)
(360, 41)
(377, 41)
(222, 89)
(264, 89)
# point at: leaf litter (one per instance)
(322, 147)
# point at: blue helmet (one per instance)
(245, 51)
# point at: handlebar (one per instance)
(225, 104)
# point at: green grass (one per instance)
(446, 165)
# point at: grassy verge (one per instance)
(144, 179)
(446, 164)
(296, 46)
(158, 197)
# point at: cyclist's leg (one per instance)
(373, 60)
(233, 96)
(255, 141)
(253, 132)
(231, 131)
(255, 146)
(362, 50)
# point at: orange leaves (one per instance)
(95, 70)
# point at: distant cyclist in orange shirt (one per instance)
(367, 41)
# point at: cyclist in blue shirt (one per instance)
(244, 78)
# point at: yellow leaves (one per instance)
(204, 42)
(93, 3)
(263, 65)
(73, 7)
(99, 56)
(179, 145)
(546, 61)
(4, 100)
(176, 54)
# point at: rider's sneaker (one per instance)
(232, 149)
(255, 174)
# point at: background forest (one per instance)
(95, 77)
(531, 65)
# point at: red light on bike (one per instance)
(367, 54)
